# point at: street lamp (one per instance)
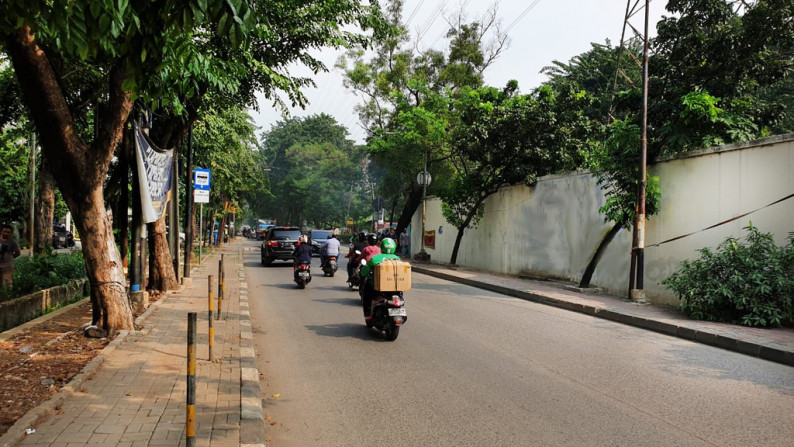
(423, 179)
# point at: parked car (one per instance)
(61, 237)
(317, 239)
(278, 244)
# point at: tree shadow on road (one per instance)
(343, 330)
(352, 301)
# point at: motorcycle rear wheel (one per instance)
(391, 331)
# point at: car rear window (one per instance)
(283, 235)
(320, 236)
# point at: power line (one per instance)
(521, 16)
(413, 13)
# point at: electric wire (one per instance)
(521, 16)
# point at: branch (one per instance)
(115, 114)
(46, 100)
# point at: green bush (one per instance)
(749, 281)
(42, 272)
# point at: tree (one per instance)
(398, 78)
(501, 137)
(313, 169)
(119, 41)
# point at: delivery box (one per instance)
(392, 275)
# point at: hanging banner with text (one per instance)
(155, 185)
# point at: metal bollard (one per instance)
(220, 287)
(190, 419)
(211, 333)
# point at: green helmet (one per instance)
(388, 246)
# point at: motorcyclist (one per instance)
(329, 248)
(370, 250)
(303, 251)
(386, 251)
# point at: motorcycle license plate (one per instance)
(303, 274)
(398, 312)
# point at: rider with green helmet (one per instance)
(387, 249)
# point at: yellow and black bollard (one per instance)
(190, 419)
(220, 287)
(211, 333)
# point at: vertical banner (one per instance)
(155, 185)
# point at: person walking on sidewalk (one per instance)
(9, 250)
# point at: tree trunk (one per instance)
(81, 168)
(411, 205)
(161, 268)
(454, 259)
(45, 206)
(591, 266)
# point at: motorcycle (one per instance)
(387, 310)
(388, 314)
(302, 274)
(330, 266)
(354, 278)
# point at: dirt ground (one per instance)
(38, 362)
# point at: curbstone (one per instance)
(252, 420)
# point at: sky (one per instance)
(539, 32)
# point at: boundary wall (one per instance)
(552, 229)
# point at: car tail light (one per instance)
(272, 244)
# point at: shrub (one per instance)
(749, 281)
(42, 272)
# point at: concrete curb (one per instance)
(7, 335)
(34, 416)
(252, 420)
(705, 337)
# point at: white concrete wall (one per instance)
(553, 228)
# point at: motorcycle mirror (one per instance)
(358, 252)
(363, 262)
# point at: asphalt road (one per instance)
(474, 368)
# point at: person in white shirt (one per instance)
(329, 248)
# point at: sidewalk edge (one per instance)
(708, 338)
(252, 420)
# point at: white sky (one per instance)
(548, 30)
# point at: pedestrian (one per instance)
(9, 250)
(405, 243)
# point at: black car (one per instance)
(278, 244)
(318, 238)
(61, 237)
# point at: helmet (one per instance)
(372, 239)
(388, 246)
(362, 237)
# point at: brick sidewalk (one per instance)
(137, 396)
(775, 344)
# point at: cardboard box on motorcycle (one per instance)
(392, 275)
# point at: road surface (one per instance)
(474, 368)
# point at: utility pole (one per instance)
(637, 268)
(189, 205)
(637, 294)
(32, 190)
